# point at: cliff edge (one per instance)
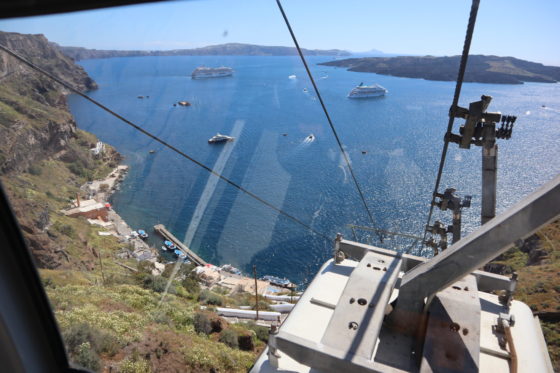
(34, 118)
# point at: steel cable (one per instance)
(328, 117)
(460, 77)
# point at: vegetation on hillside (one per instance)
(537, 262)
(111, 316)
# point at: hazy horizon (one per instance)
(437, 28)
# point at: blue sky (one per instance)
(523, 29)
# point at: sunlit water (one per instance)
(394, 144)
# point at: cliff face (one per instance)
(36, 126)
(34, 119)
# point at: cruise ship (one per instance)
(211, 72)
(365, 91)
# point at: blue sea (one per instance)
(394, 144)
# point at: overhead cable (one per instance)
(361, 194)
(458, 85)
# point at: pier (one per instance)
(160, 228)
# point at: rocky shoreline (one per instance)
(101, 191)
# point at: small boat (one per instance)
(220, 138)
(231, 269)
(184, 103)
(163, 248)
(277, 280)
(305, 89)
(169, 245)
(309, 139)
(152, 151)
(292, 77)
(180, 254)
(140, 97)
(142, 233)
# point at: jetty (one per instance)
(161, 230)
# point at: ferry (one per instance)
(211, 72)
(220, 138)
(366, 91)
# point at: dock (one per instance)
(161, 230)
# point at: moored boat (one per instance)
(142, 234)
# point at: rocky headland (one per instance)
(480, 68)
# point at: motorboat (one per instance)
(220, 138)
(142, 234)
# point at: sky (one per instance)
(524, 29)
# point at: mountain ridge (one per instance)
(229, 49)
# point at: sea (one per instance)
(394, 145)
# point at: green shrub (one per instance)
(157, 284)
(87, 358)
(134, 366)
(229, 338)
(202, 323)
(77, 335)
(261, 332)
(206, 296)
(35, 170)
(192, 285)
(66, 229)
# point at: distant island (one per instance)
(230, 49)
(480, 68)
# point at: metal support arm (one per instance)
(481, 246)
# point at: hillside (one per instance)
(481, 69)
(231, 49)
(34, 117)
(537, 263)
(108, 304)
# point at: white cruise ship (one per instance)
(365, 91)
(211, 72)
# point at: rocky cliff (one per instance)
(34, 119)
(44, 158)
(481, 69)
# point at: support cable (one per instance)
(460, 77)
(327, 115)
(164, 143)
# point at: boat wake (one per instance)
(309, 139)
